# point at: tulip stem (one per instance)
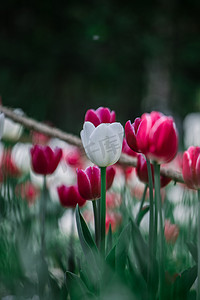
(152, 233)
(96, 222)
(141, 204)
(198, 248)
(103, 210)
(42, 216)
(161, 231)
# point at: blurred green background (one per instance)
(59, 58)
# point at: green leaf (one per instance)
(122, 248)
(77, 288)
(193, 250)
(141, 214)
(184, 282)
(110, 258)
(109, 240)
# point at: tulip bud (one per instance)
(89, 181)
(69, 196)
(154, 135)
(44, 159)
(101, 115)
(191, 167)
(102, 144)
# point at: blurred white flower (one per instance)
(67, 223)
(12, 130)
(102, 144)
(2, 122)
(191, 127)
(21, 156)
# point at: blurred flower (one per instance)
(12, 131)
(73, 156)
(69, 196)
(27, 191)
(142, 172)
(39, 138)
(8, 167)
(191, 167)
(191, 127)
(20, 155)
(102, 144)
(113, 219)
(2, 124)
(89, 181)
(171, 232)
(44, 159)
(154, 135)
(101, 115)
(113, 200)
(67, 222)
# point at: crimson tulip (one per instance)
(89, 181)
(191, 167)
(70, 196)
(142, 172)
(44, 159)
(100, 115)
(154, 135)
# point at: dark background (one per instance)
(60, 58)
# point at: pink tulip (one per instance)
(101, 115)
(191, 167)
(69, 196)
(127, 150)
(171, 232)
(89, 181)
(44, 159)
(154, 135)
(142, 172)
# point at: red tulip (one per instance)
(69, 196)
(191, 167)
(44, 159)
(127, 150)
(89, 181)
(142, 172)
(154, 135)
(101, 115)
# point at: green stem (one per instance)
(103, 210)
(141, 204)
(161, 231)
(96, 221)
(42, 216)
(198, 248)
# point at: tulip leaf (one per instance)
(77, 288)
(141, 214)
(184, 282)
(193, 250)
(110, 258)
(142, 256)
(85, 236)
(122, 248)
(109, 240)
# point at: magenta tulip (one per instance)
(70, 196)
(89, 181)
(191, 167)
(44, 159)
(100, 115)
(127, 150)
(154, 135)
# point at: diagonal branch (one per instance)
(74, 140)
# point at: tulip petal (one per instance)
(88, 128)
(84, 185)
(92, 117)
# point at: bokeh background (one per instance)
(59, 58)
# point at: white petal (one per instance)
(2, 118)
(105, 144)
(88, 128)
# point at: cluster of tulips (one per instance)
(153, 140)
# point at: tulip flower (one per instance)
(127, 150)
(154, 135)
(142, 172)
(101, 115)
(44, 159)
(191, 167)
(12, 130)
(102, 144)
(171, 232)
(2, 121)
(70, 196)
(89, 181)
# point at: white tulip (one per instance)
(12, 130)
(102, 144)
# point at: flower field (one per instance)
(79, 222)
